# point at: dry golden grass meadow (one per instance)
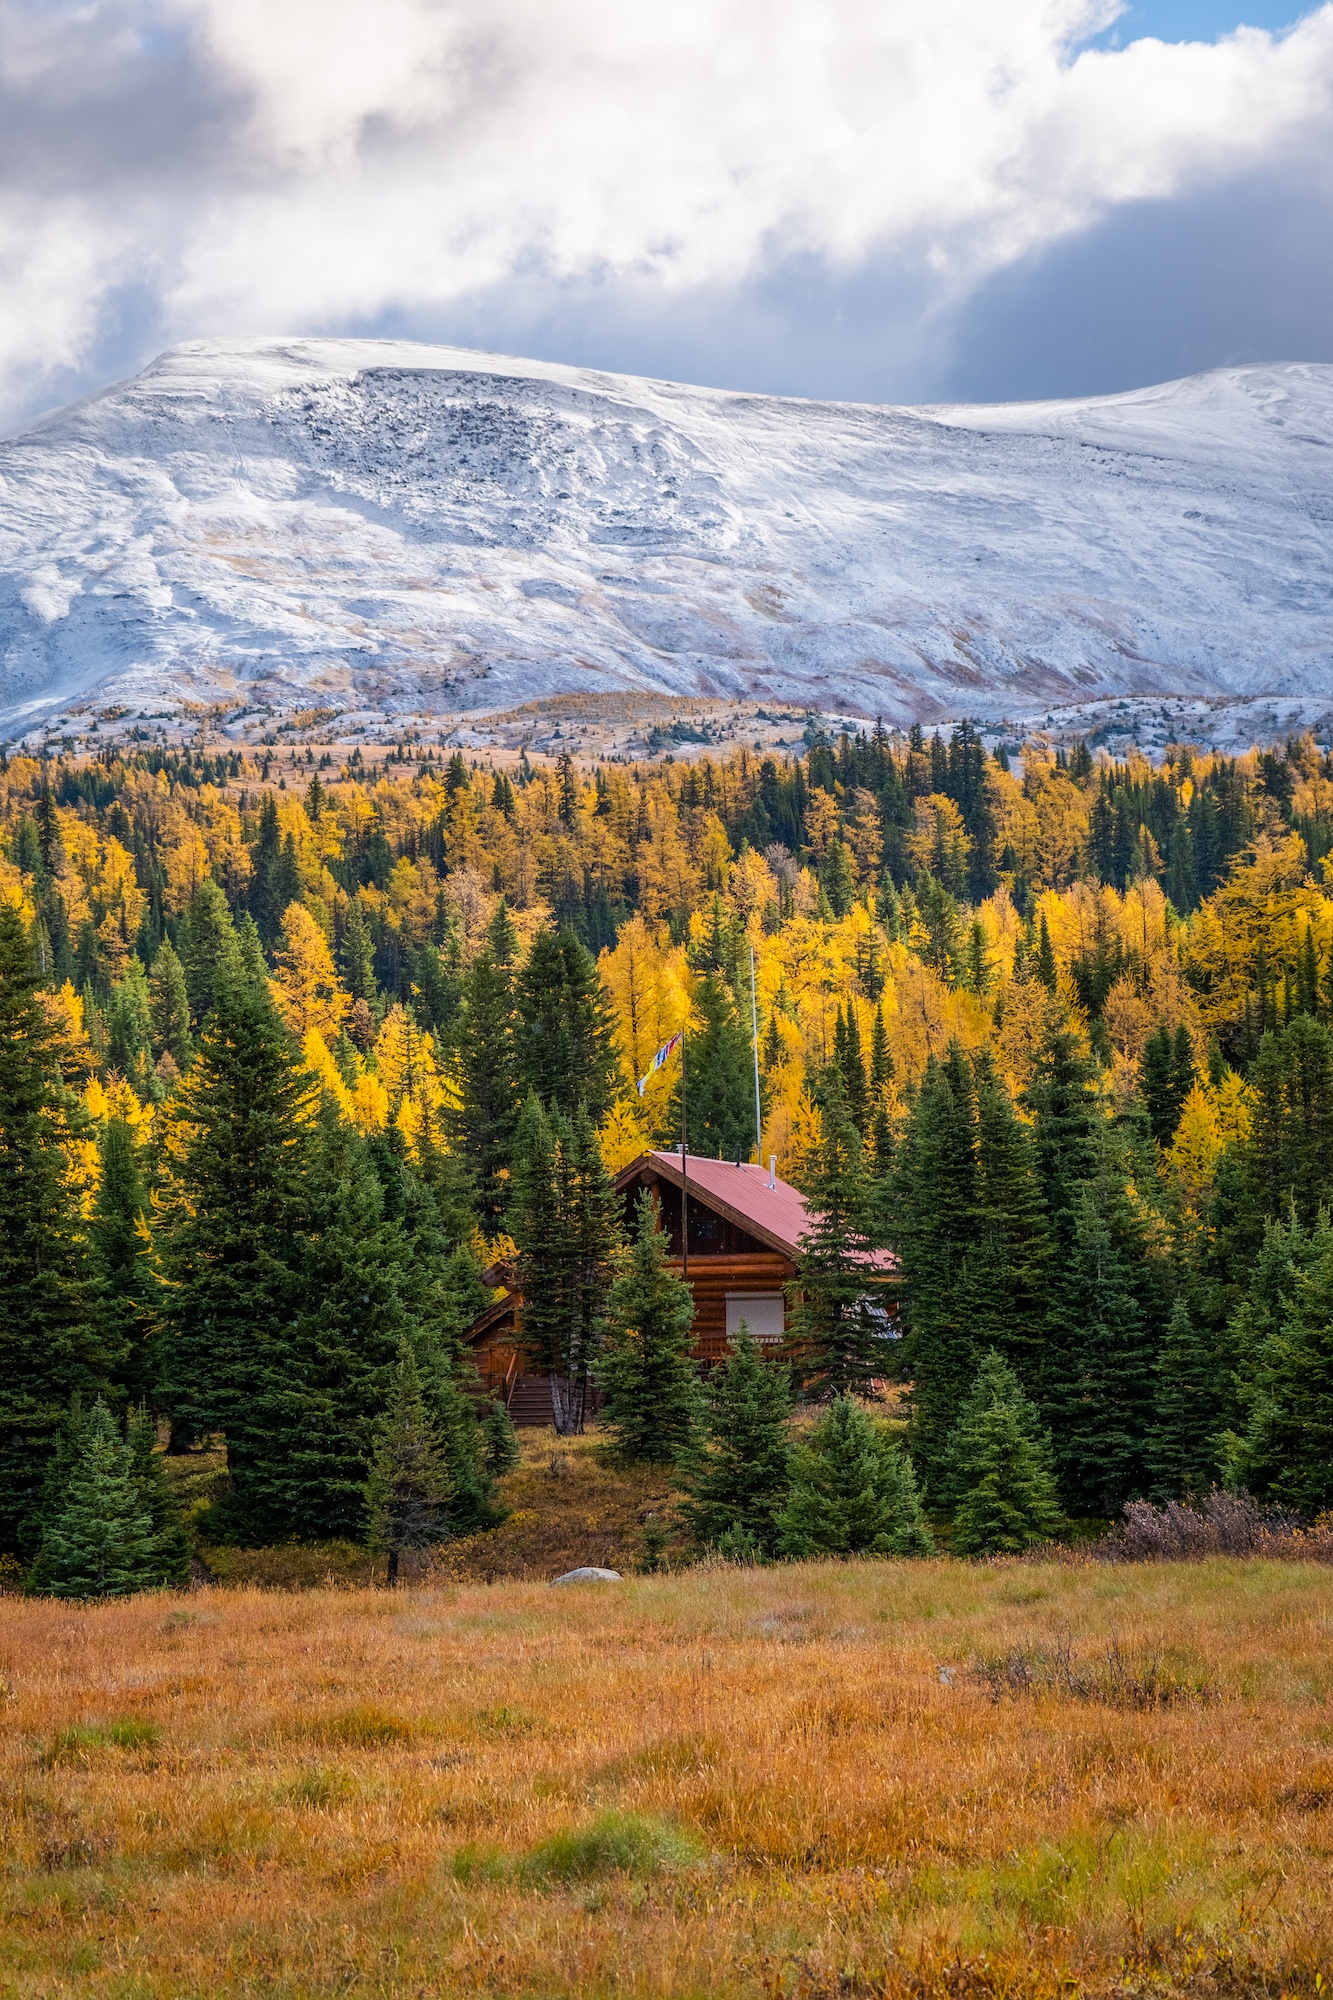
(878, 1778)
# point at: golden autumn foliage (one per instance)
(673, 849)
(306, 987)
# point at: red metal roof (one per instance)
(778, 1215)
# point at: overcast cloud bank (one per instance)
(584, 172)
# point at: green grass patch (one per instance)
(81, 1742)
(615, 1843)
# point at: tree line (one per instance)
(291, 1067)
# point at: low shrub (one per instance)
(1223, 1524)
(1113, 1679)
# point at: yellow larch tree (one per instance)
(306, 987)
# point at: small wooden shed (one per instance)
(744, 1229)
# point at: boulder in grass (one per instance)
(588, 1576)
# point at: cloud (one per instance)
(305, 165)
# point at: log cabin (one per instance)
(744, 1227)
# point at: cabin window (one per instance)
(764, 1314)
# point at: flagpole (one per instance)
(754, 1044)
(684, 1163)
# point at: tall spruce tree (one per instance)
(233, 1247)
(345, 1338)
(169, 1007)
(645, 1371)
(738, 1481)
(52, 1344)
(838, 1328)
(356, 956)
(210, 949)
(852, 1491)
(563, 1218)
(122, 1257)
(1285, 1453)
(1290, 1149)
(408, 1489)
(1189, 1410)
(1060, 1099)
(129, 1028)
(100, 1540)
(1166, 1076)
(563, 1035)
(933, 1226)
(486, 1122)
(1000, 1468)
(442, 1294)
(718, 1077)
(1007, 1275)
(1099, 1368)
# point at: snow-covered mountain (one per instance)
(378, 524)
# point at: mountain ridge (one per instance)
(397, 529)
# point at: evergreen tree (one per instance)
(1006, 1278)
(738, 1480)
(850, 1062)
(933, 1226)
(838, 879)
(233, 1252)
(1285, 1453)
(210, 949)
(563, 1034)
(563, 1220)
(838, 1329)
(1000, 1468)
(50, 1344)
(442, 1293)
(1166, 1077)
(1043, 966)
(169, 1007)
(357, 954)
(489, 1102)
(100, 1541)
(171, 1538)
(344, 1340)
(719, 1079)
(881, 1059)
(500, 1448)
(1189, 1410)
(1290, 1149)
(408, 1489)
(1061, 1101)
(852, 1492)
(1099, 1386)
(645, 1370)
(593, 1208)
(275, 876)
(129, 1028)
(122, 1253)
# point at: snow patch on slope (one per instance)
(424, 528)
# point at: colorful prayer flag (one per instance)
(667, 1049)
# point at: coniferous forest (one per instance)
(292, 1051)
